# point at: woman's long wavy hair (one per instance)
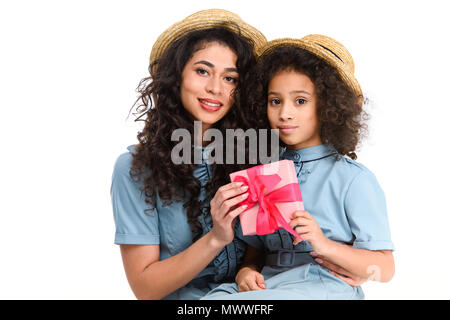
(160, 105)
(342, 121)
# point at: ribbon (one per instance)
(268, 215)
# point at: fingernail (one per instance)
(319, 261)
(244, 196)
(239, 184)
(244, 188)
(244, 207)
(313, 254)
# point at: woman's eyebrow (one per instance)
(209, 64)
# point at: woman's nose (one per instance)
(214, 86)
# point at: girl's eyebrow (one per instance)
(295, 91)
(300, 91)
(209, 64)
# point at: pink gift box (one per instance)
(273, 179)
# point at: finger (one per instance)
(230, 193)
(303, 230)
(299, 222)
(253, 285)
(229, 204)
(349, 281)
(260, 281)
(225, 188)
(302, 213)
(234, 213)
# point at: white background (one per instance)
(68, 74)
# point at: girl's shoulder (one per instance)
(352, 168)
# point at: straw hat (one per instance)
(325, 48)
(206, 19)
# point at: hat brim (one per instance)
(206, 19)
(319, 51)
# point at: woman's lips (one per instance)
(210, 105)
(287, 129)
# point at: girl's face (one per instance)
(292, 108)
(207, 84)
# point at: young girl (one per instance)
(172, 247)
(306, 89)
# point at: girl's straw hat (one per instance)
(325, 48)
(206, 19)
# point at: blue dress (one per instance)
(348, 204)
(167, 226)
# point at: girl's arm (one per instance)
(249, 277)
(376, 265)
(151, 278)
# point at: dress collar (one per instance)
(307, 154)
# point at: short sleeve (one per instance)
(134, 224)
(365, 206)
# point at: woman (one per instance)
(163, 224)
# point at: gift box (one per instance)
(274, 195)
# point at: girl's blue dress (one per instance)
(349, 206)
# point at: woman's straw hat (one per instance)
(206, 19)
(325, 48)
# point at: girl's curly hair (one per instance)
(159, 103)
(341, 117)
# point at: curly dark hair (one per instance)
(342, 121)
(160, 104)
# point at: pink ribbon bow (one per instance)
(268, 215)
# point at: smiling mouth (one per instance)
(210, 103)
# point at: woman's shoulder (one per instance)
(123, 162)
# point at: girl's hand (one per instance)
(224, 210)
(248, 279)
(309, 230)
(339, 272)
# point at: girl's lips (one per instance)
(210, 105)
(287, 129)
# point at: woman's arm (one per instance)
(151, 278)
(375, 265)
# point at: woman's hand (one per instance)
(339, 272)
(247, 279)
(224, 210)
(309, 230)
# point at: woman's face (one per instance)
(207, 84)
(292, 108)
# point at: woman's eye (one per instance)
(274, 101)
(231, 79)
(300, 101)
(203, 72)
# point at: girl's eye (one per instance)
(274, 101)
(203, 72)
(300, 101)
(231, 79)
